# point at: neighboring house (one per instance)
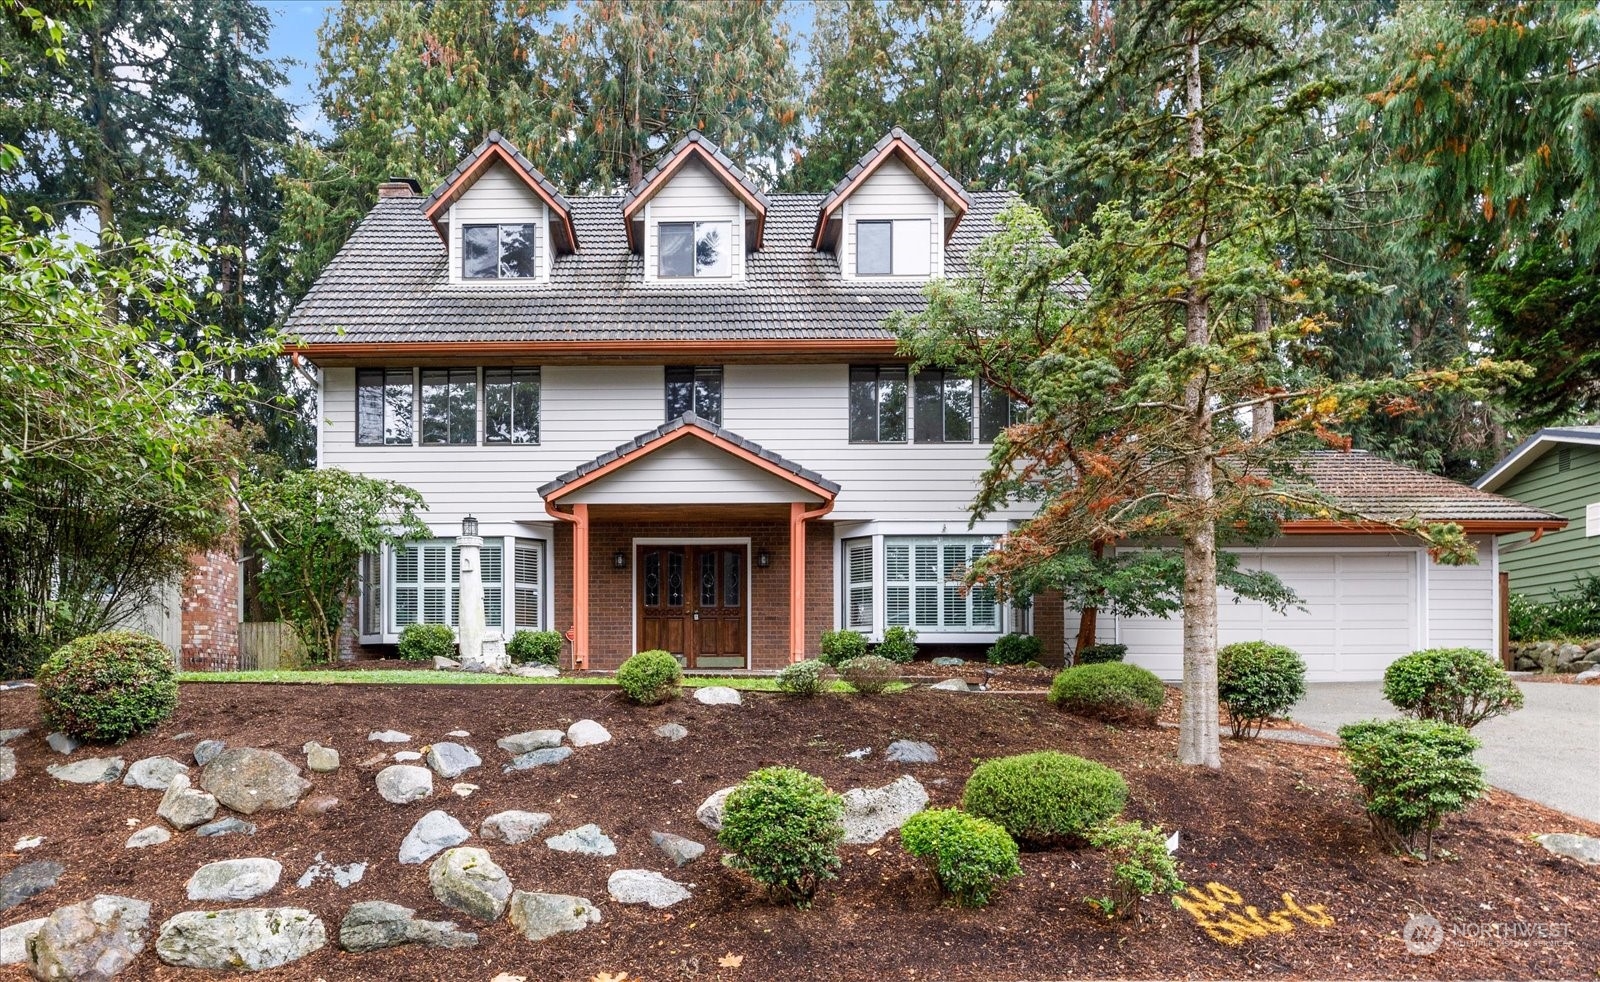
(680, 421)
(1557, 469)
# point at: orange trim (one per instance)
(896, 147)
(497, 153)
(579, 520)
(754, 460)
(1483, 526)
(694, 149)
(876, 347)
(798, 516)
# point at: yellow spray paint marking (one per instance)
(1222, 913)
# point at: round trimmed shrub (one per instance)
(803, 678)
(423, 642)
(1258, 681)
(1015, 649)
(1094, 654)
(1412, 772)
(650, 677)
(1045, 797)
(108, 687)
(783, 827)
(839, 647)
(1110, 691)
(1463, 686)
(899, 644)
(870, 674)
(535, 647)
(971, 857)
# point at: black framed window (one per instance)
(995, 412)
(943, 407)
(449, 406)
(510, 405)
(385, 403)
(874, 248)
(498, 252)
(901, 247)
(695, 390)
(877, 404)
(690, 249)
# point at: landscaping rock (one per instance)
(61, 743)
(14, 940)
(451, 760)
(206, 751)
(948, 661)
(468, 880)
(1585, 849)
(643, 886)
(718, 695)
(389, 736)
(951, 685)
(442, 663)
(27, 842)
(585, 840)
(152, 835)
(343, 877)
(459, 734)
(860, 753)
(587, 733)
(710, 811)
(154, 773)
(226, 826)
(183, 807)
(677, 848)
(401, 784)
(544, 915)
(248, 780)
(513, 827)
(671, 731)
(90, 770)
(375, 924)
(536, 671)
(911, 752)
(522, 743)
(6, 736)
(323, 760)
(234, 879)
(8, 763)
(539, 758)
(28, 880)
(872, 813)
(1588, 675)
(93, 940)
(463, 789)
(252, 938)
(433, 832)
(320, 804)
(407, 756)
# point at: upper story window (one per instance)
(937, 407)
(449, 406)
(943, 407)
(694, 390)
(902, 247)
(510, 405)
(385, 405)
(694, 249)
(491, 252)
(391, 402)
(877, 404)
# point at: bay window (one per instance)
(922, 585)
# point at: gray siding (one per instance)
(500, 196)
(892, 192)
(1554, 563)
(694, 195)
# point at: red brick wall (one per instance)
(611, 611)
(209, 631)
(1050, 626)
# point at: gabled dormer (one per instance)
(695, 216)
(892, 215)
(502, 221)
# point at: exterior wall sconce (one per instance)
(763, 559)
(619, 560)
(469, 526)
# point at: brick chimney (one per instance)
(400, 187)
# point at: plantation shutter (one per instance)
(897, 584)
(371, 593)
(985, 612)
(407, 584)
(922, 585)
(493, 565)
(438, 600)
(528, 564)
(858, 589)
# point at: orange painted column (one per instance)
(580, 586)
(798, 516)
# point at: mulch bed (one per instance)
(1556, 678)
(1277, 818)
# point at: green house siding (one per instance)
(1555, 562)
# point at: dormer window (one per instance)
(694, 249)
(503, 252)
(903, 247)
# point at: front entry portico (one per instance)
(693, 599)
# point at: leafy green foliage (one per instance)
(783, 827)
(839, 647)
(535, 647)
(650, 677)
(1413, 773)
(1045, 797)
(1094, 654)
(1141, 866)
(870, 674)
(425, 642)
(899, 644)
(1570, 614)
(1258, 681)
(1015, 649)
(971, 857)
(1110, 691)
(1462, 686)
(803, 678)
(108, 687)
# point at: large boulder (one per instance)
(710, 811)
(718, 695)
(90, 941)
(90, 770)
(249, 780)
(513, 827)
(1584, 848)
(587, 733)
(207, 750)
(249, 938)
(154, 773)
(183, 807)
(234, 879)
(680, 850)
(644, 886)
(28, 880)
(14, 940)
(433, 832)
(8, 764)
(451, 760)
(401, 784)
(375, 924)
(911, 752)
(468, 880)
(544, 915)
(872, 813)
(320, 759)
(522, 743)
(152, 835)
(671, 732)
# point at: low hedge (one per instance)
(535, 647)
(1015, 649)
(1463, 686)
(971, 857)
(1045, 797)
(1110, 691)
(423, 642)
(1258, 681)
(108, 687)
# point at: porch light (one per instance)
(469, 526)
(763, 559)
(619, 560)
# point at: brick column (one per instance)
(1050, 627)
(209, 628)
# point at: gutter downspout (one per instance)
(798, 516)
(579, 634)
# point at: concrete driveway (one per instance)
(1549, 751)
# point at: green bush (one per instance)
(108, 687)
(839, 647)
(972, 857)
(803, 678)
(650, 677)
(1015, 649)
(1412, 773)
(423, 642)
(1141, 866)
(783, 827)
(1463, 686)
(1571, 614)
(1258, 681)
(1111, 691)
(899, 644)
(1045, 797)
(870, 674)
(1094, 654)
(535, 647)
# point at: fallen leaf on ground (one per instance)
(730, 960)
(508, 977)
(608, 977)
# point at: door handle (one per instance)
(696, 614)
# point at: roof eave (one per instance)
(694, 149)
(1530, 450)
(494, 150)
(1471, 526)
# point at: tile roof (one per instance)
(448, 188)
(895, 135)
(644, 440)
(1371, 485)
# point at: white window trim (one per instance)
(935, 257)
(1006, 618)
(1591, 520)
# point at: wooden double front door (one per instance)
(692, 600)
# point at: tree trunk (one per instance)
(1262, 417)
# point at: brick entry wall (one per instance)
(611, 611)
(209, 635)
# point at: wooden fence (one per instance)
(269, 645)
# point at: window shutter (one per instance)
(494, 571)
(526, 574)
(858, 570)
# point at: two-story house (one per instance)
(680, 422)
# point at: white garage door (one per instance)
(1360, 613)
